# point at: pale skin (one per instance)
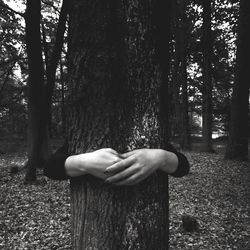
(121, 169)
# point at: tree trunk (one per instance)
(55, 57)
(237, 147)
(39, 94)
(63, 113)
(207, 46)
(175, 76)
(37, 127)
(185, 130)
(179, 75)
(116, 62)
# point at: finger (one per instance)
(122, 175)
(116, 159)
(119, 166)
(132, 180)
(111, 150)
(128, 154)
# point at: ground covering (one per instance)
(216, 193)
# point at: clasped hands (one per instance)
(121, 169)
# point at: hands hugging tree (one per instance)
(121, 169)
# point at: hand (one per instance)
(139, 164)
(93, 163)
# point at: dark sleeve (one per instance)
(54, 167)
(183, 164)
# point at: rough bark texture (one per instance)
(118, 87)
(207, 47)
(37, 129)
(238, 138)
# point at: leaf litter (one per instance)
(216, 193)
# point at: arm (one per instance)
(141, 163)
(183, 165)
(54, 167)
(62, 166)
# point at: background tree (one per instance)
(237, 147)
(183, 29)
(40, 92)
(37, 132)
(116, 62)
(14, 69)
(207, 48)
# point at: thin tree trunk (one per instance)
(207, 46)
(237, 147)
(52, 61)
(39, 96)
(55, 56)
(116, 65)
(185, 130)
(175, 83)
(37, 129)
(63, 113)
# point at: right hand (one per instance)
(93, 163)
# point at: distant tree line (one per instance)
(207, 77)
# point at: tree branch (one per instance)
(57, 49)
(51, 5)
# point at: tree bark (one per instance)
(237, 147)
(37, 130)
(207, 47)
(116, 65)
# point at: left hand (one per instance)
(136, 166)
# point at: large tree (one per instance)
(118, 64)
(237, 147)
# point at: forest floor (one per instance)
(216, 193)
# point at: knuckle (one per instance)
(108, 149)
(140, 175)
(137, 167)
(133, 158)
(115, 159)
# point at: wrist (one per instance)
(75, 164)
(169, 163)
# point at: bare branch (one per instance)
(51, 5)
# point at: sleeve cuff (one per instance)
(54, 168)
(183, 166)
